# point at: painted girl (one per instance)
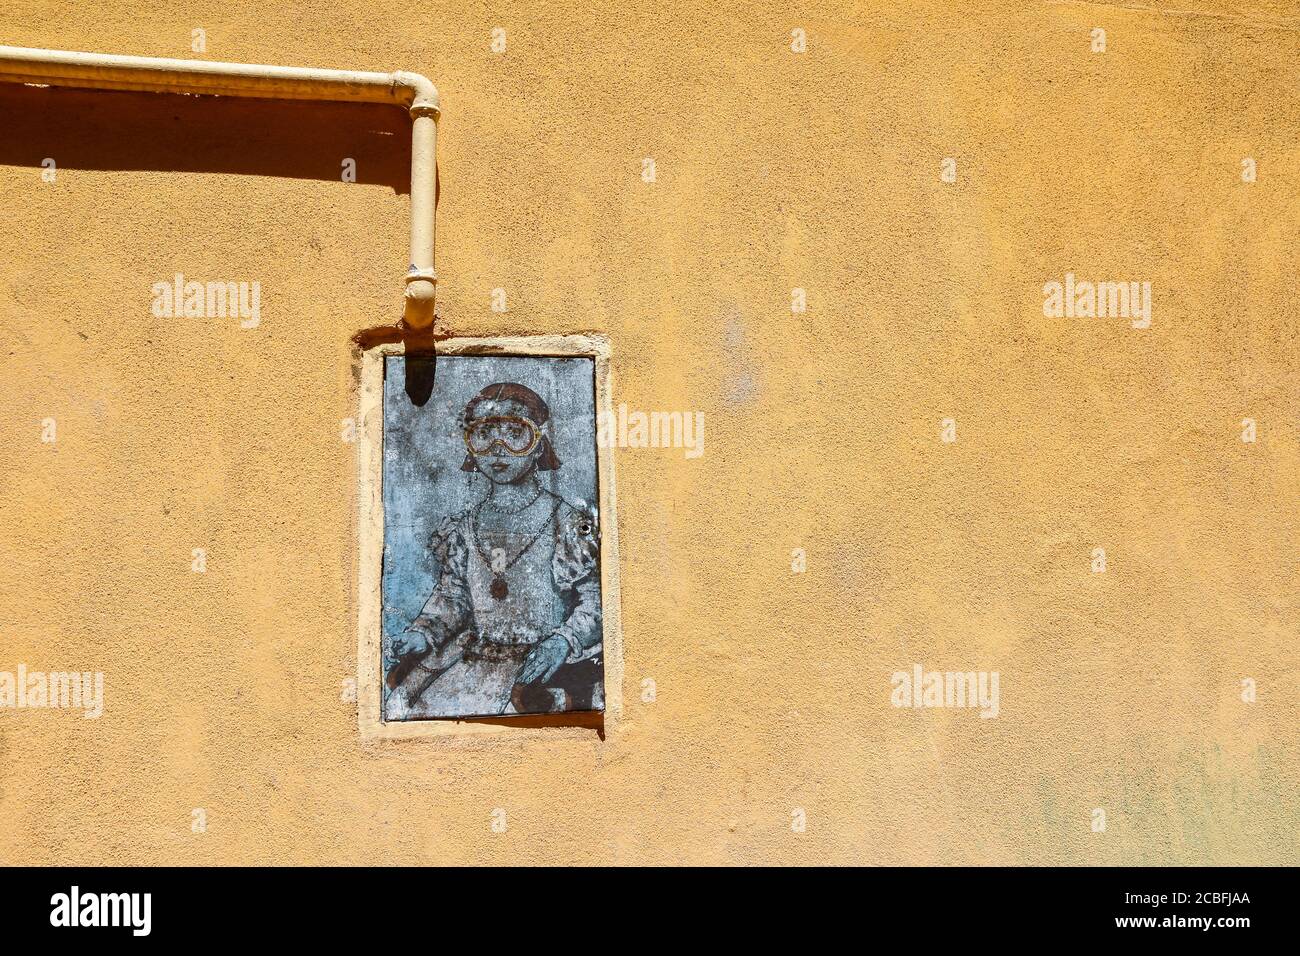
(514, 623)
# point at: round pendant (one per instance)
(498, 589)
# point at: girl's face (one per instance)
(503, 441)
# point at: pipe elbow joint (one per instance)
(422, 92)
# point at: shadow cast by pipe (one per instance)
(176, 132)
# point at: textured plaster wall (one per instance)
(775, 170)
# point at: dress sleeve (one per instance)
(450, 608)
(576, 569)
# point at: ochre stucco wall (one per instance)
(775, 170)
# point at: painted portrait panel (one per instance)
(491, 586)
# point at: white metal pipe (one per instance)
(409, 90)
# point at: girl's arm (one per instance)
(576, 568)
(449, 608)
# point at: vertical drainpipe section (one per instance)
(421, 279)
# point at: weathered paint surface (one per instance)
(491, 584)
(751, 691)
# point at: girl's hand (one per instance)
(543, 660)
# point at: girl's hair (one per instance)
(538, 413)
